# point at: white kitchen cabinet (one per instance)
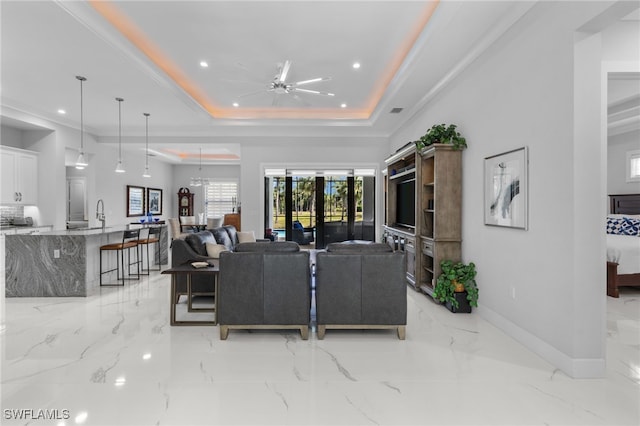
(19, 176)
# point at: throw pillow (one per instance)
(246, 237)
(214, 250)
(623, 226)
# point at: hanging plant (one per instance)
(441, 133)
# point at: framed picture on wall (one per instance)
(154, 201)
(135, 200)
(506, 189)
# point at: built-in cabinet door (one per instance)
(8, 177)
(19, 177)
(28, 178)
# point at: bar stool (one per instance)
(153, 237)
(129, 241)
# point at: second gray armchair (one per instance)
(360, 286)
(264, 285)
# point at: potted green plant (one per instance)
(441, 133)
(456, 287)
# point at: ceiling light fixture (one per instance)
(62, 112)
(119, 168)
(146, 155)
(356, 65)
(235, 104)
(343, 105)
(204, 64)
(81, 163)
(199, 181)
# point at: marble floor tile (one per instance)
(113, 359)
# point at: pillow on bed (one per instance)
(623, 226)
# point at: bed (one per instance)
(623, 251)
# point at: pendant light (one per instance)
(199, 181)
(119, 167)
(146, 163)
(81, 163)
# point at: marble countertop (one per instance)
(80, 231)
(87, 231)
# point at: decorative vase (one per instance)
(458, 287)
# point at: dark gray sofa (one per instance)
(360, 286)
(264, 285)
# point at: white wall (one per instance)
(522, 92)
(616, 163)
(298, 152)
(10, 136)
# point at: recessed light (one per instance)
(62, 112)
(235, 104)
(343, 105)
(356, 65)
(204, 64)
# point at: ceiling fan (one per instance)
(279, 85)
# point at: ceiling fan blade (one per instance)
(249, 72)
(231, 80)
(252, 93)
(313, 80)
(284, 71)
(315, 92)
(299, 99)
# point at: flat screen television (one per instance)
(406, 203)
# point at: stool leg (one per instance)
(159, 261)
(122, 258)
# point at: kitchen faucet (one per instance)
(100, 212)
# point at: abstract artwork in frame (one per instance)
(506, 189)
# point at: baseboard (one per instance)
(577, 368)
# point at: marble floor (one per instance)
(113, 359)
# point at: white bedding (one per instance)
(624, 250)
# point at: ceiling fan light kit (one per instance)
(279, 85)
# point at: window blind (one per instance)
(220, 198)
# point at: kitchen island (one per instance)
(62, 263)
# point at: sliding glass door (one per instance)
(315, 208)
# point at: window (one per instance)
(221, 197)
(633, 166)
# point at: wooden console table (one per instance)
(188, 270)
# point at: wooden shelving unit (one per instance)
(438, 215)
(441, 210)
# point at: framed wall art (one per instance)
(506, 189)
(154, 201)
(135, 201)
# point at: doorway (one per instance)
(76, 202)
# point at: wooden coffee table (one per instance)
(189, 271)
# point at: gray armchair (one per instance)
(301, 235)
(360, 286)
(264, 286)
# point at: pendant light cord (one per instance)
(119, 128)
(82, 79)
(146, 114)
